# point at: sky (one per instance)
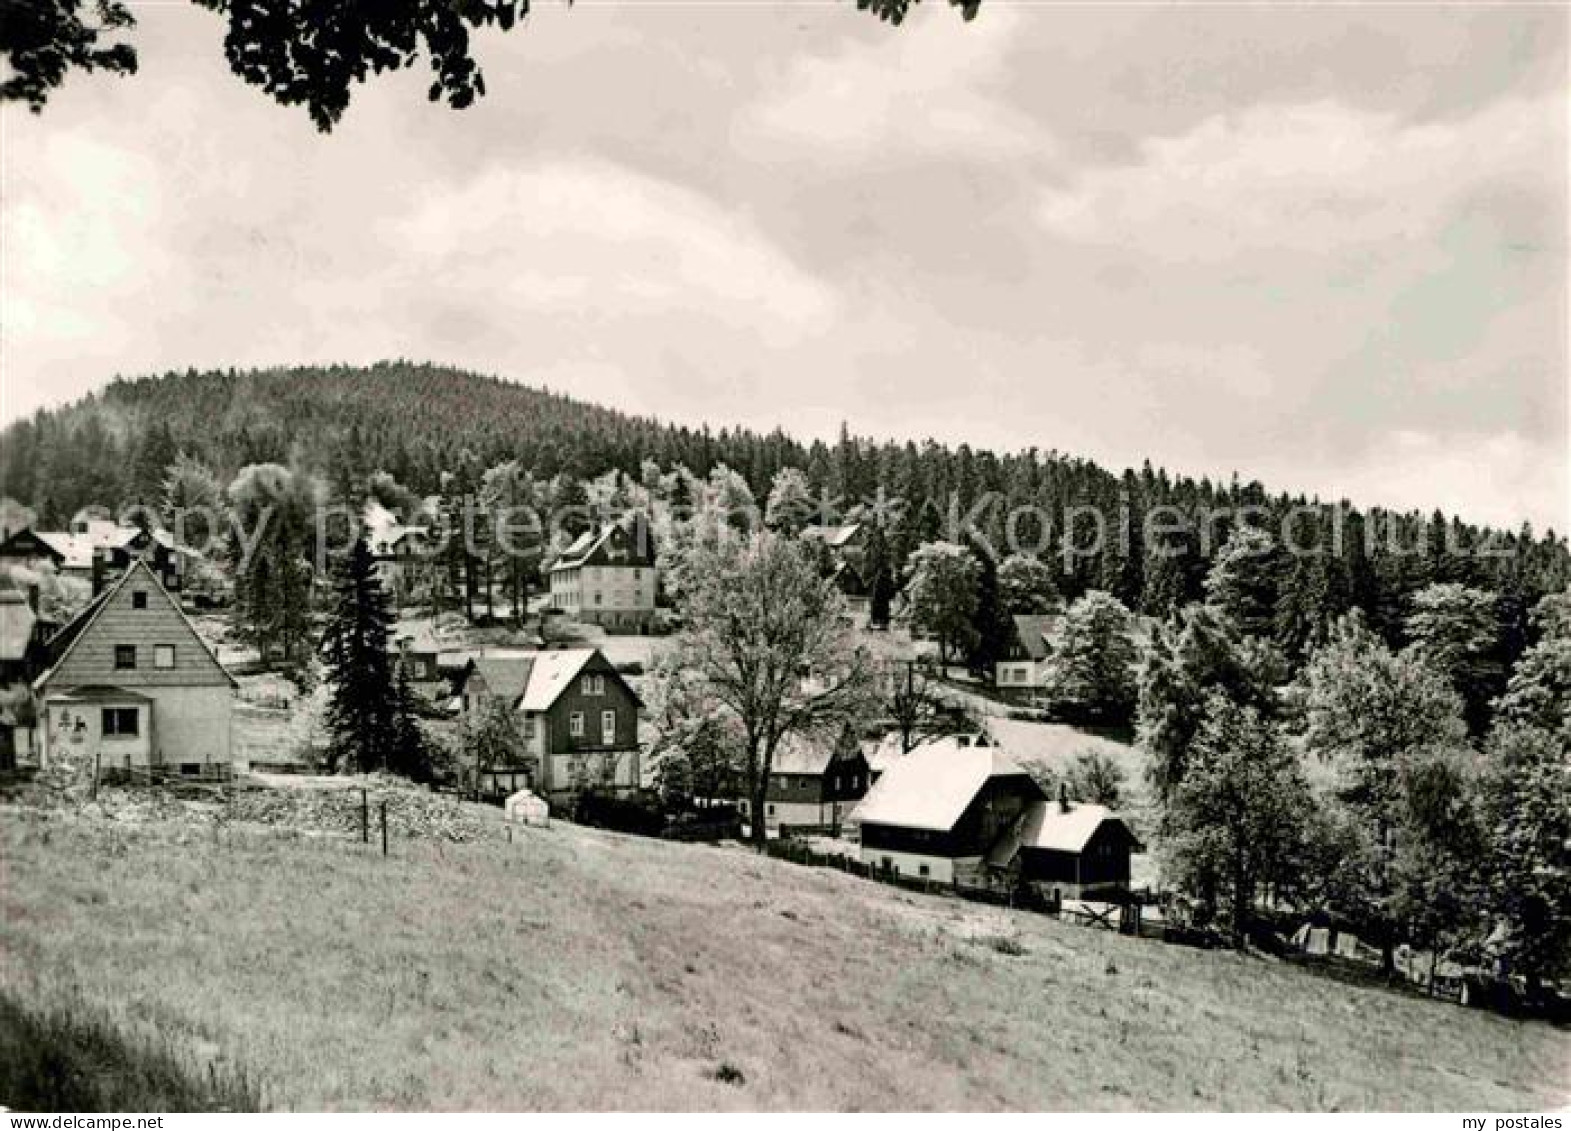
(1322, 247)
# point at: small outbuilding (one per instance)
(526, 808)
(1068, 849)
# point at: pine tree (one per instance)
(410, 753)
(1243, 582)
(364, 710)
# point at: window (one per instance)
(594, 685)
(163, 656)
(529, 728)
(638, 575)
(190, 769)
(771, 811)
(921, 870)
(575, 724)
(597, 596)
(125, 657)
(138, 599)
(121, 722)
(608, 727)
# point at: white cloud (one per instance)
(1497, 477)
(928, 87)
(595, 240)
(1311, 178)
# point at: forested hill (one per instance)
(417, 421)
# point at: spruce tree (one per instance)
(364, 711)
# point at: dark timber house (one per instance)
(1067, 850)
(576, 720)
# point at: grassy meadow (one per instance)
(575, 969)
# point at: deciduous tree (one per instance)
(1091, 673)
(766, 636)
(942, 592)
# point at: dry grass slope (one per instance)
(575, 969)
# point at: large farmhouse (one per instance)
(607, 577)
(130, 686)
(936, 813)
(576, 720)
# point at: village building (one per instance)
(607, 577)
(813, 785)
(845, 543)
(1067, 850)
(936, 813)
(131, 688)
(99, 551)
(402, 551)
(576, 721)
(1023, 670)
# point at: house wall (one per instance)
(92, 659)
(777, 813)
(192, 724)
(1011, 674)
(74, 732)
(996, 806)
(940, 869)
(609, 596)
(1103, 864)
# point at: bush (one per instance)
(72, 1057)
(640, 815)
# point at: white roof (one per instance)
(931, 786)
(75, 550)
(550, 675)
(1048, 826)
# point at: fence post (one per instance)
(384, 826)
(365, 819)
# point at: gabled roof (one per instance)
(65, 641)
(74, 550)
(1048, 825)
(932, 786)
(801, 754)
(26, 540)
(506, 674)
(599, 544)
(533, 681)
(832, 536)
(552, 673)
(1035, 630)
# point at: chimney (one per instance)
(1063, 797)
